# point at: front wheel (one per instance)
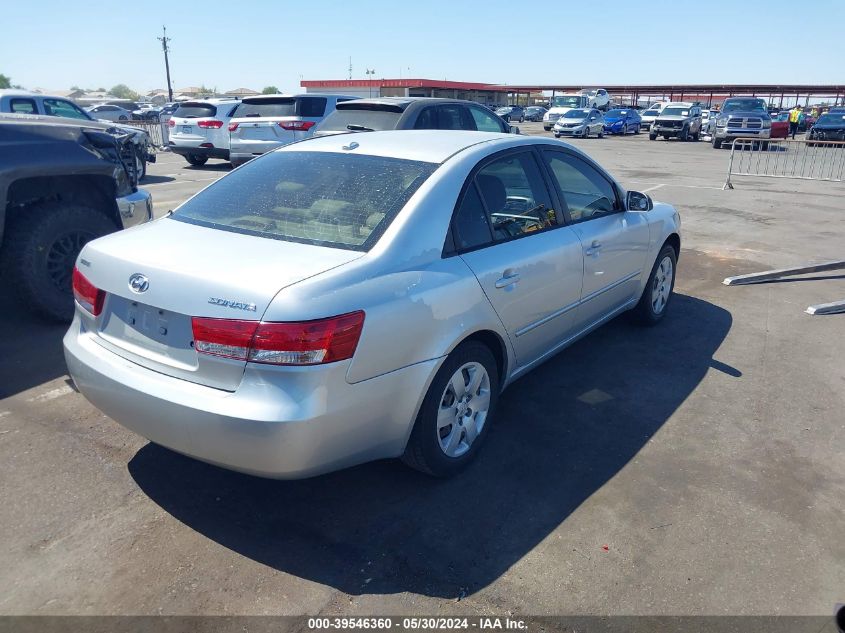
(522, 119)
(557, 135)
(601, 133)
(658, 290)
(455, 415)
(637, 130)
(624, 130)
(652, 137)
(717, 142)
(684, 134)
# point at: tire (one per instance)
(637, 130)
(140, 166)
(548, 129)
(196, 160)
(697, 135)
(586, 131)
(649, 310)
(557, 135)
(684, 135)
(717, 142)
(522, 119)
(122, 117)
(625, 130)
(601, 133)
(652, 137)
(41, 245)
(764, 146)
(425, 450)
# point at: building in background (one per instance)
(488, 94)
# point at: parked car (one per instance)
(263, 123)
(622, 121)
(336, 302)
(598, 98)
(63, 182)
(199, 130)
(836, 110)
(581, 122)
(535, 113)
(829, 127)
(679, 120)
(741, 117)
(107, 112)
(22, 102)
(147, 112)
(409, 113)
(561, 104)
(648, 115)
(511, 113)
(168, 109)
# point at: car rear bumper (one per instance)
(297, 423)
(208, 152)
(136, 208)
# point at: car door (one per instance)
(596, 124)
(614, 241)
(526, 259)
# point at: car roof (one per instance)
(431, 146)
(401, 103)
(296, 96)
(681, 104)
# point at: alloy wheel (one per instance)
(62, 255)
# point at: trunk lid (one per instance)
(191, 271)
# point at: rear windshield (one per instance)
(338, 200)
(360, 120)
(195, 110)
(282, 106)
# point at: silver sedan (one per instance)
(352, 298)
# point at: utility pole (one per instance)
(350, 67)
(164, 40)
(371, 71)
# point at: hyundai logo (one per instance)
(138, 283)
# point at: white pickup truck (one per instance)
(563, 103)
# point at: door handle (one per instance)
(508, 278)
(594, 249)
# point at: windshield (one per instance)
(615, 113)
(734, 105)
(576, 114)
(652, 112)
(832, 119)
(282, 106)
(568, 102)
(328, 199)
(675, 111)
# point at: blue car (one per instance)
(622, 121)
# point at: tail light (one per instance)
(233, 127)
(213, 124)
(171, 123)
(87, 294)
(297, 126)
(303, 343)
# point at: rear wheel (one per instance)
(197, 160)
(40, 249)
(455, 415)
(522, 119)
(658, 290)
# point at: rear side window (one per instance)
(470, 226)
(282, 106)
(328, 199)
(361, 120)
(26, 106)
(453, 116)
(195, 111)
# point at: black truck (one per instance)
(63, 182)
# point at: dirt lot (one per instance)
(692, 468)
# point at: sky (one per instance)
(54, 44)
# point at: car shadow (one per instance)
(561, 433)
(31, 350)
(150, 179)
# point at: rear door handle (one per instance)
(594, 249)
(508, 278)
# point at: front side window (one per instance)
(60, 107)
(485, 121)
(426, 120)
(452, 117)
(586, 192)
(515, 196)
(324, 198)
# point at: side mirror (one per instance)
(514, 130)
(639, 202)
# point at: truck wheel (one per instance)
(717, 142)
(40, 250)
(652, 137)
(684, 134)
(140, 166)
(197, 160)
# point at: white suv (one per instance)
(199, 130)
(263, 123)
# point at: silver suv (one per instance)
(679, 119)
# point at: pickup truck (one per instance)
(741, 117)
(63, 182)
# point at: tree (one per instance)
(270, 90)
(122, 91)
(5, 82)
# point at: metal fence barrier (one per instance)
(786, 158)
(157, 130)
